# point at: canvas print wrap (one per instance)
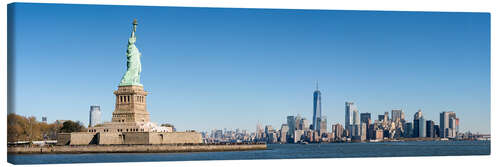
(88, 83)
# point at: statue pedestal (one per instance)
(130, 104)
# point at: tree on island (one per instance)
(16, 127)
(71, 126)
(20, 128)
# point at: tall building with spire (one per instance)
(316, 109)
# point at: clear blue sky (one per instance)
(232, 68)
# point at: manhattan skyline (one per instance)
(215, 68)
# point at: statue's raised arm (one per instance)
(134, 28)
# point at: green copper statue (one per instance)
(133, 74)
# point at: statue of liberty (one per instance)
(133, 74)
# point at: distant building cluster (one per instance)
(358, 127)
(395, 127)
(228, 136)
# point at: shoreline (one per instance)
(82, 149)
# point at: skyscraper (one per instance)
(366, 118)
(268, 129)
(297, 136)
(304, 124)
(290, 120)
(381, 118)
(429, 126)
(298, 120)
(370, 131)
(349, 116)
(448, 123)
(437, 130)
(444, 123)
(337, 130)
(316, 109)
(259, 132)
(356, 130)
(272, 137)
(94, 115)
(408, 129)
(386, 116)
(397, 115)
(356, 123)
(452, 126)
(363, 131)
(323, 126)
(356, 119)
(417, 124)
(421, 127)
(283, 133)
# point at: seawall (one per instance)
(134, 148)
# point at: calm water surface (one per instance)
(277, 151)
